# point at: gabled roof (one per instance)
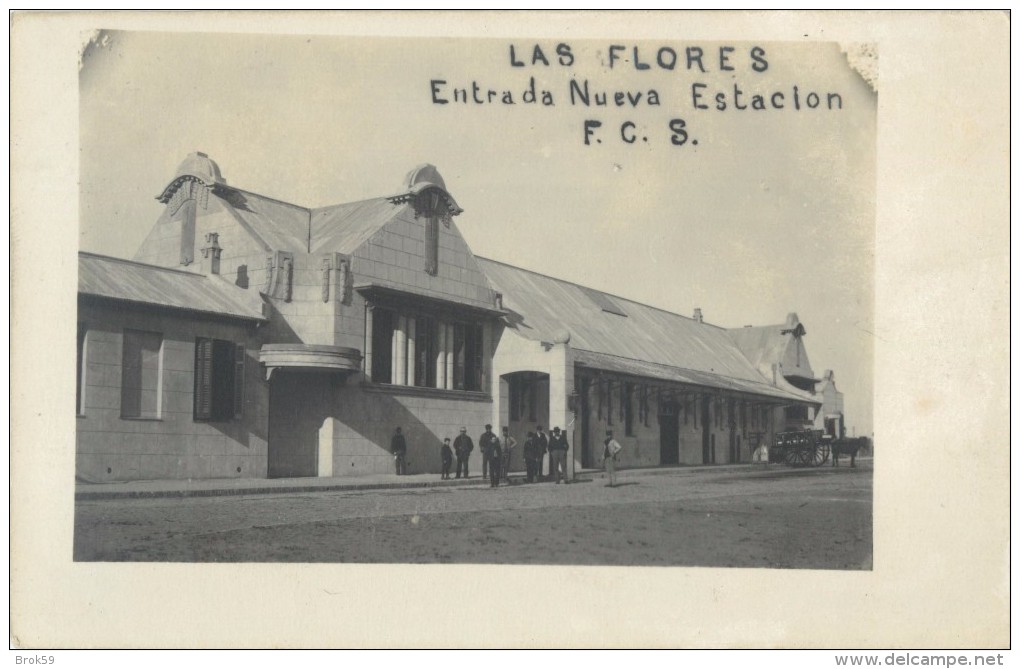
(646, 341)
(138, 283)
(768, 345)
(278, 225)
(345, 227)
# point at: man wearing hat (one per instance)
(485, 445)
(462, 447)
(558, 447)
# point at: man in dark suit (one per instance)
(558, 448)
(495, 459)
(398, 446)
(532, 457)
(462, 447)
(484, 444)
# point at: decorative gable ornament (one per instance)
(196, 176)
(426, 190)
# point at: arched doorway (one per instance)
(527, 407)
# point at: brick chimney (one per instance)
(211, 254)
(697, 315)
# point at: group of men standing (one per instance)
(496, 454)
(535, 448)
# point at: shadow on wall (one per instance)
(368, 421)
(364, 424)
(256, 401)
(277, 330)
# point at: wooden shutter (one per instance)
(239, 381)
(203, 378)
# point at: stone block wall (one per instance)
(366, 417)
(174, 446)
(395, 256)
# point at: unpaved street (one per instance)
(777, 517)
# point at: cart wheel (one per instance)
(821, 454)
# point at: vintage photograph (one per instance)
(477, 330)
(491, 301)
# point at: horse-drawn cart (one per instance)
(812, 448)
(800, 448)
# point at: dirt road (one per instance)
(812, 518)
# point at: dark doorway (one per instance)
(297, 406)
(669, 439)
(706, 453)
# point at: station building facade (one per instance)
(254, 338)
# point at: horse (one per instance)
(846, 447)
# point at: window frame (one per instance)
(157, 413)
(467, 348)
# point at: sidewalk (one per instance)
(218, 487)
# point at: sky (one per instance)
(748, 214)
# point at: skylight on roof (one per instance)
(604, 302)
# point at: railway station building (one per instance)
(254, 338)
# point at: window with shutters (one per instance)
(141, 375)
(219, 379)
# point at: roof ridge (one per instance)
(143, 264)
(266, 197)
(618, 297)
(347, 204)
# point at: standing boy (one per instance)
(446, 454)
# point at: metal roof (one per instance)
(692, 377)
(647, 341)
(279, 225)
(345, 227)
(138, 283)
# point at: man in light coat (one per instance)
(543, 450)
(609, 454)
